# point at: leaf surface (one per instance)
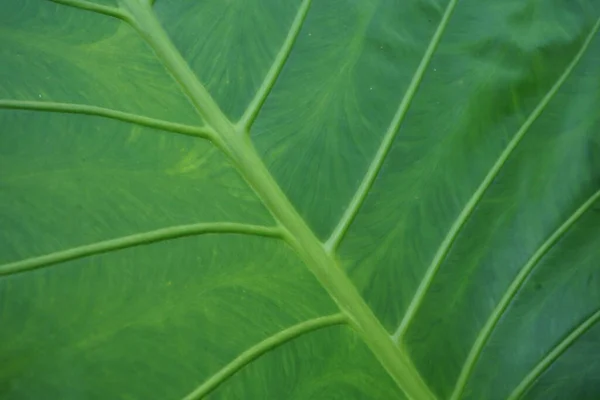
(442, 154)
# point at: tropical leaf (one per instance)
(270, 199)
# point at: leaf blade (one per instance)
(470, 206)
(171, 312)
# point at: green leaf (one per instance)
(270, 199)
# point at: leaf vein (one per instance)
(296, 232)
(97, 8)
(556, 352)
(269, 82)
(367, 182)
(512, 290)
(83, 109)
(263, 347)
(141, 17)
(468, 209)
(138, 239)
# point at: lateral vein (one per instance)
(466, 212)
(512, 290)
(70, 108)
(361, 193)
(141, 17)
(253, 109)
(97, 8)
(263, 347)
(240, 149)
(551, 357)
(139, 239)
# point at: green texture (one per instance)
(267, 199)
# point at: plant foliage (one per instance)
(270, 199)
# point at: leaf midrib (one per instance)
(323, 265)
(233, 140)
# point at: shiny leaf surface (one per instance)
(266, 199)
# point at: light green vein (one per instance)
(263, 92)
(69, 108)
(558, 350)
(510, 293)
(97, 8)
(142, 18)
(478, 195)
(139, 239)
(299, 236)
(261, 348)
(375, 166)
